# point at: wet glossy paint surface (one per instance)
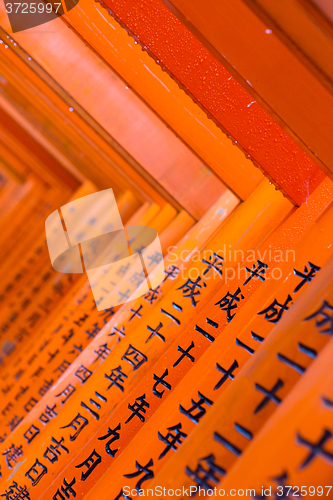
(217, 91)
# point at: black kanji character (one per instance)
(114, 435)
(307, 276)
(66, 393)
(91, 334)
(63, 366)
(152, 295)
(90, 463)
(102, 352)
(136, 312)
(171, 316)
(137, 408)
(117, 378)
(227, 373)
(12, 454)
(117, 331)
(134, 357)
(215, 264)
(172, 273)
(83, 374)
(204, 477)
(7, 409)
(36, 475)
(31, 433)
(68, 336)
(203, 332)
(173, 437)
(14, 422)
(30, 404)
(16, 492)
(95, 403)
(270, 395)
(256, 272)
(77, 424)
(78, 348)
(80, 321)
(197, 405)
(65, 489)
(160, 380)
(324, 318)
(142, 469)
(45, 387)
(316, 449)
(156, 332)
(189, 289)
(47, 414)
(185, 354)
(274, 311)
(52, 452)
(107, 314)
(229, 302)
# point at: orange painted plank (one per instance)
(119, 130)
(225, 100)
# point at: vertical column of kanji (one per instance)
(40, 365)
(20, 267)
(58, 288)
(83, 326)
(71, 312)
(203, 382)
(130, 314)
(36, 264)
(40, 289)
(245, 399)
(131, 358)
(293, 453)
(10, 224)
(102, 317)
(24, 268)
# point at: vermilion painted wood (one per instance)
(28, 356)
(219, 94)
(298, 219)
(153, 85)
(193, 239)
(305, 31)
(111, 127)
(17, 269)
(261, 59)
(143, 442)
(267, 212)
(303, 413)
(48, 293)
(210, 223)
